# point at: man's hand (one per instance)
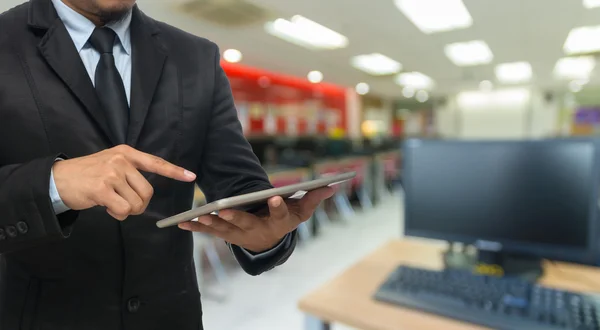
(111, 178)
(258, 233)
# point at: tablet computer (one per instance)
(294, 190)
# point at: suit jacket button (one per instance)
(2, 235)
(22, 227)
(11, 231)
(133, 305)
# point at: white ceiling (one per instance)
(515, 30)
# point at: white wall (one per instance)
(446, 119)
(544, 117)
(501, 114)
(493, 123)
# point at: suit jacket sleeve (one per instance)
(229, 167)
(28, 218)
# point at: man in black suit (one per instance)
(97, 104)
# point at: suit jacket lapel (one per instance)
(148, 61)
(60, 53)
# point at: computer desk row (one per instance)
(370, 184)
(374, 175)
(348, 298)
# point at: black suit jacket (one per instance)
(85, 270)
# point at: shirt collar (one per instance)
(80, 28)
(122, 29)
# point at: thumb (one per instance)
(277, 208)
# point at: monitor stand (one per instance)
(492, 262)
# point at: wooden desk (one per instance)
(348, 298)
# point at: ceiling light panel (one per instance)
(574, 67)
(301, 31)
(408, 92)
(591, 3)
(232, 55)
(486, 86)
(431, 16)
(376, 64)
(583, 40)
(362, 88)
(513, 73)
(469, 53)
(315, 77)
(575, 86)
(415, 80)
(422, 96)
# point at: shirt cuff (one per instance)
(57, 203)
(284, 244)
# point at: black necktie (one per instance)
(109, 85)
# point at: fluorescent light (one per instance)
(306, 33)
(232, 55)
(469, 53)
(515, 72)
(575, 67)
(591, 3)
(315, 77)
(575, 86)
(486, 85)
(583, 40)
(415, 80)
(408, 92)
(422, 96)
(432, 16)
(376, 64)
(362, 88)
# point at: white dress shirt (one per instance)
(80, 29)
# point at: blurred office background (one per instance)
(324, 86)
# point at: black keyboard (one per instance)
(495, 302)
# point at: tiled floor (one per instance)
(268, 302)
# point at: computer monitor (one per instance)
(536, 198)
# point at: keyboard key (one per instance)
(513, 301)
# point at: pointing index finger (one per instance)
(153, 164)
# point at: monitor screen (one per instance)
(527, 195)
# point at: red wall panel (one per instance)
(291, 100)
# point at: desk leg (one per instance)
(343, 206)
(313, 323)
(215, 262)
(304, 231)
(321, 216)
(363, 197)
(198, 251)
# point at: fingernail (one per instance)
(226, 216)
(275, 202)
(184, 226)
(189, 174)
